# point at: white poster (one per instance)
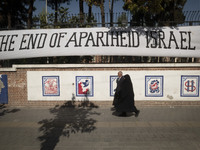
(139, 41)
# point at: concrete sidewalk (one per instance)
(89, 127)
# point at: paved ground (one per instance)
(98, 128)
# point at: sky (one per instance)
(191, 5)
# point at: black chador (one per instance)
(124, 96)
(118, 90)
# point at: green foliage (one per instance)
(100, 4)
(94, 2)
(122, 20)
(62, 18)
(42, 18)
(155, 12)
(13, 13)
(56, 3)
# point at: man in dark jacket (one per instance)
(124, 96)
(118, 89)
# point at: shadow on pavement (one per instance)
(69, 119)
(4, 110)
(115, 113)
(129, 114)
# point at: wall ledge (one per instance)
(143, 65)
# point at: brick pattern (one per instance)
(17, 87)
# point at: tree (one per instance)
(14, 13)
(100, 4)
(3, 20)
(122, 20)
(55, 4)
(90, 4)
(90, 20)
(155, 12)
(42, 19)
(81, 12)
(172, 14)
(111, 6)
(63, 20)
(30, 14)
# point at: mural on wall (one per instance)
(189, 86)
(113, 85)
(3, 89)
(51, 85)
(84, 86)
(154, 86)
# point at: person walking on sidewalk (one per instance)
(124, 96)
(118, 89)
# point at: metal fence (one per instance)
(119, 19)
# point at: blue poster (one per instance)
(3, 89)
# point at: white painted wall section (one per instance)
(168, 85)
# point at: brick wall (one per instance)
(17, 82)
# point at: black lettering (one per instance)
(106, 39)
(129, 39)
(90, 38)
(100, 38)
(190, 48)
(42, 40)
(147, 39)
(32, 41)
(72, 39)
(53, 40)
(23, 41)
(122, 39)
(114, 36)
(137, 36)
(161, 36)
(4, 42)
(154, 37)
(61, 35)
(183, 39)
(12, 42)
(82, 37)
(172, 39)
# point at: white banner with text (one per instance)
(138, 41)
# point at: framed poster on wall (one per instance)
(113, 85)
(3, 89)
(189, 86)
(154, 86)
(84, 86)
(50, 86)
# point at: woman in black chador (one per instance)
(124, 98)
